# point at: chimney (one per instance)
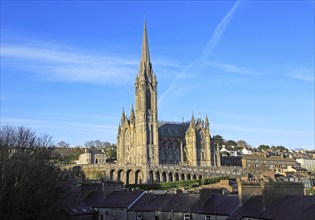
(273, 191)
(248, 189)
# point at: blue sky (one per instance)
(68, 68)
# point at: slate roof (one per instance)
(73, 204)
(94, 198)
(122, 199)
(291, 207)
(252, 208)
(151, 202)
(167, 203)
(173, 129)
(183, 203)
(220, 205)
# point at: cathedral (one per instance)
(143, 140)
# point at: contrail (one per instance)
(208, 48)
(218, 32)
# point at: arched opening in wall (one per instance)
(111, 175)
(176, 177)
(96, 161)
(105, 176)
(183, 176)
(194, 177)
(164, 177)
(188, 177)
(170, 177)
(200, 177)
(138, 177)
(157, 177)
(151, 178)
(129, 177)
(120, 175)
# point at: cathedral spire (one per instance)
(145, 56)
(123, 116)
(132, 113)
(192, 119)
(207, 122)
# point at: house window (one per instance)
(208, 217)
(186, 216)
(102, 217)
(139, 216)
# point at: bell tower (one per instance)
(146, 116)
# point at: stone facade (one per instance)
(145, 141)
(92, 157)
(265, 162)
(307, 163)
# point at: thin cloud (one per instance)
(218, 32)
(218, 126)
(64, 125)
(199, 61)
(303, 74)
(59, 65)
(231, 68)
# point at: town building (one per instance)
(256, 200)
(247, 150)
(92, 156)
(306, 162)
(264, 162)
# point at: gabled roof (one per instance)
(151, 202)
(73, 204)
(94, 198)
(291, 207)
(121, 199)
(167, 203)
(220, 205)
(252, 208)
(173, 129)
(183, 203)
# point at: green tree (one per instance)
(231, 145)
(263, 147)
(241, 144)
(28, 180)
(218, 139)
(111, 153)
(281, 148)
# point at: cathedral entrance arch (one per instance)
(120, 175)
(111, 175)
(188, 177)
(170, 177)
(194, 176)
(164, 177)
(176, 177)
(183, 176)
(157, 177)
(151, 178)
(130, 178)
(200, 177)
(138, 177)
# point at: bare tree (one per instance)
(63, 144)
(28, 180)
